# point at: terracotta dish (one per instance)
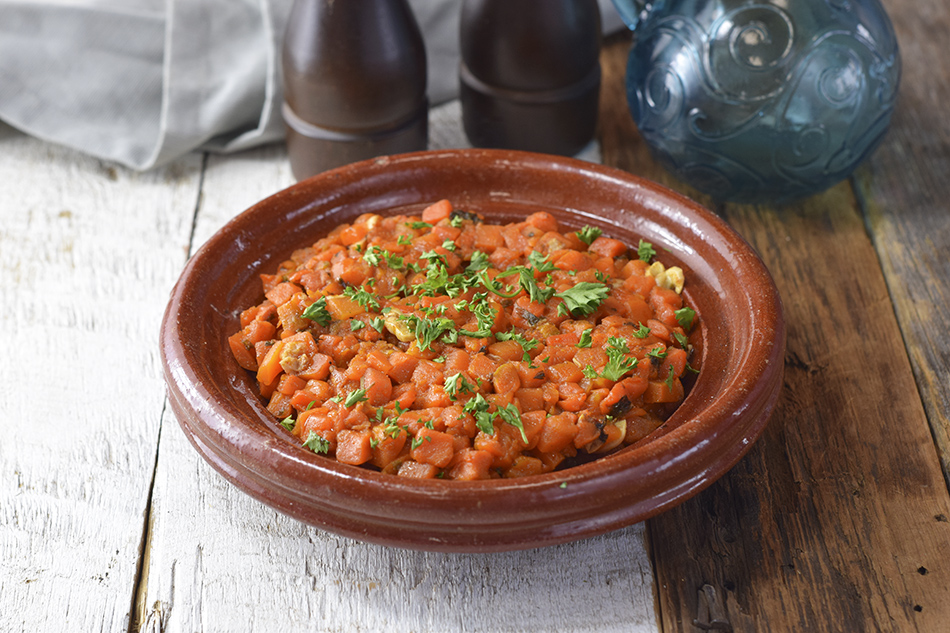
(741, 342)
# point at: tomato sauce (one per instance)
(444, 346)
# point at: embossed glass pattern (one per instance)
(761, 101)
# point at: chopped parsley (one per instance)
(418, 225)
(364, 298)
(588, 234)
(356, 325)
(645, 251)
(585, 339)
(317, 443)
(510, 414)
(354, 398)
(456, 384)
(583, 298)
(317, 311)
(288, 423)
(642, 332)
(684, 316)
(618, 363)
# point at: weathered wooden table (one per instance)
(837, 520)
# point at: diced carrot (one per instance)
(403, 366)
(587, 431)
(352, 271)
(525, 465)
(471, 465)
(571, 260)
(378, 359)
(352, 234)
(290, 384)
(488, 237)
(242, 352)
(445, 232)
(417, 470)
(388, 445)
(559, 431)
(565, 372)
(506, 379)
(270, 367)
(543, 221)
(433, 447)
(342, 308)
(437, 211)
(282, 292)
(573, 396)
(531, 376)
(404, 395)
(530, 399)
(353, 447)
(378, 386)
(657, 391)
(279, 404)
(639, 284)
(608, 247)
(506, 350)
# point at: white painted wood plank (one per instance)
(220, 561)
(88, 255)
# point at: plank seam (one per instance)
(916, 372)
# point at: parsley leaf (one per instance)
(316, 443)
(366, 299)
(617, 362)
(584, 298)
(428, 331)
(684, 316)
(456, 384)
(512, 416)
(585, 339)
(317, 311)
(288, 423)
(588, 234)
(645, 251)
(642, 332)
(354, 398)
(478, 262)
(356, 326)
(418, 225)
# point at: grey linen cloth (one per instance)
(141, 82)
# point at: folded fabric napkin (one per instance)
(142, 82)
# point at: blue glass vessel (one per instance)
(761, 101)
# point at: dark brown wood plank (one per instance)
(905, 190)
(838, 517)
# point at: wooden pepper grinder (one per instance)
(354, 83)
(530, 73)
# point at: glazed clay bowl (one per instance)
(741, 339)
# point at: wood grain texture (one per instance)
(88, 254)
(837, 518)
(218, 560)
(906, 195)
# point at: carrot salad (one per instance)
(445, 346)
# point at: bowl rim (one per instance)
(554, 507)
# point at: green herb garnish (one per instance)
(586, 340)
(366, 299)
(354, 398)
(618, 364)
(584, 298)
(316, 443)
(645, 251)
(684, 316)
(317, 311)
(588, 234)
